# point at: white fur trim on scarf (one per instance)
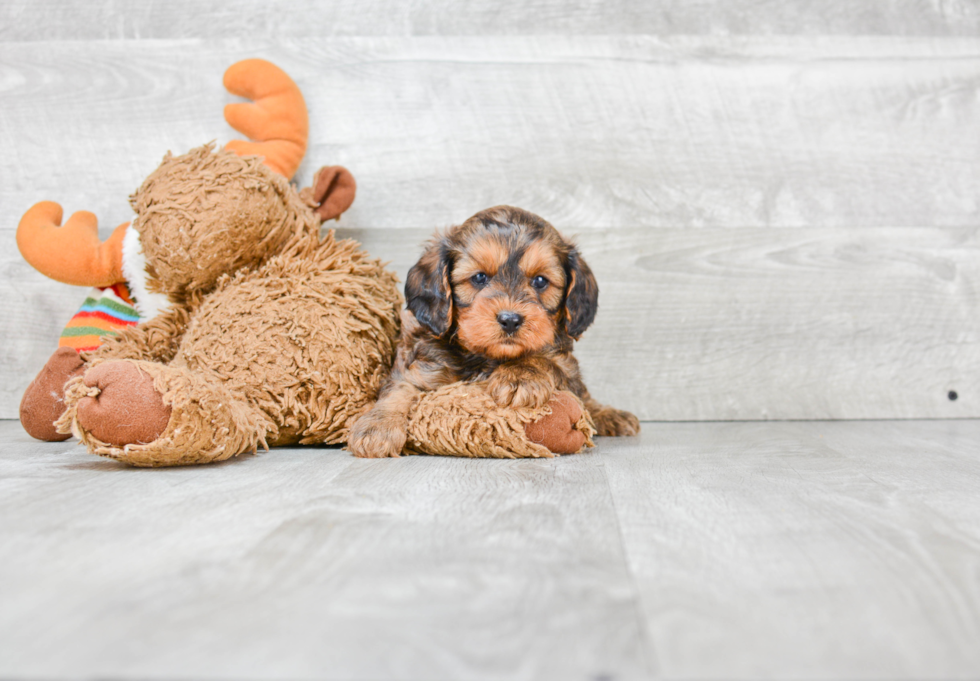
(148, 304)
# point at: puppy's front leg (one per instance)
(382, 431)
(610, 421)
(524, 382)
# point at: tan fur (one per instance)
(208, 422)
(274, 335)
(463, 295)
(541, 260)
(479, 331)
(528, 383)
(207, 213)
(484, 255)
(462, 419)
(156, 340)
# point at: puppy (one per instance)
(499, 298)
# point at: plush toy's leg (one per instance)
(44, 399)
(462, 419)
(149, 414)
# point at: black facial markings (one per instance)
(516, 234)
(510, 274)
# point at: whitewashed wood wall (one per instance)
(781, 200)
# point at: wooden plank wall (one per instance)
(780, 200)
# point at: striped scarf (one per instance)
(105, 312)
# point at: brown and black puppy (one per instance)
(500, 298)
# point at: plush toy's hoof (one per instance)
(123, 407)
(44, 400)
(556, 430)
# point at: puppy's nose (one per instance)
(510, 322)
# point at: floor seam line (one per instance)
(647, 639)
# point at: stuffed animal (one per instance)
(253, 330)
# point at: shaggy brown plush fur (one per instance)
(462, 419)
(276, 338)
(204, 214)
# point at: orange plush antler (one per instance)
(276, 118)
(71, 254)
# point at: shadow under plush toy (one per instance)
(253, 330)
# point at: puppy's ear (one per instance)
(427, 291)
(581, 297)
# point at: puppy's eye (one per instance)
(540, 283)
(479, 279)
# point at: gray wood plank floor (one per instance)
(712, 550)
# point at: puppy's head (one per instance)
(505, 282)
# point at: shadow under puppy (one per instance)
(500, 298)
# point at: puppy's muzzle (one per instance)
(510, 322)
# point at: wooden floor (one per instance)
(708, 550)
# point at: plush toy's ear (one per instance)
(276, 119)
(332, 192)
(427, 291)
(71, 254)
(581, 296)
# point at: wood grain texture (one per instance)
(717, 324)
(31, 20)
(737, 550)
(805, 550)
(680, 161)
(591, 132)
(310, 564)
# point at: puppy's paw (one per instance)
(615, 422)
(508, 390)
(378, 435)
